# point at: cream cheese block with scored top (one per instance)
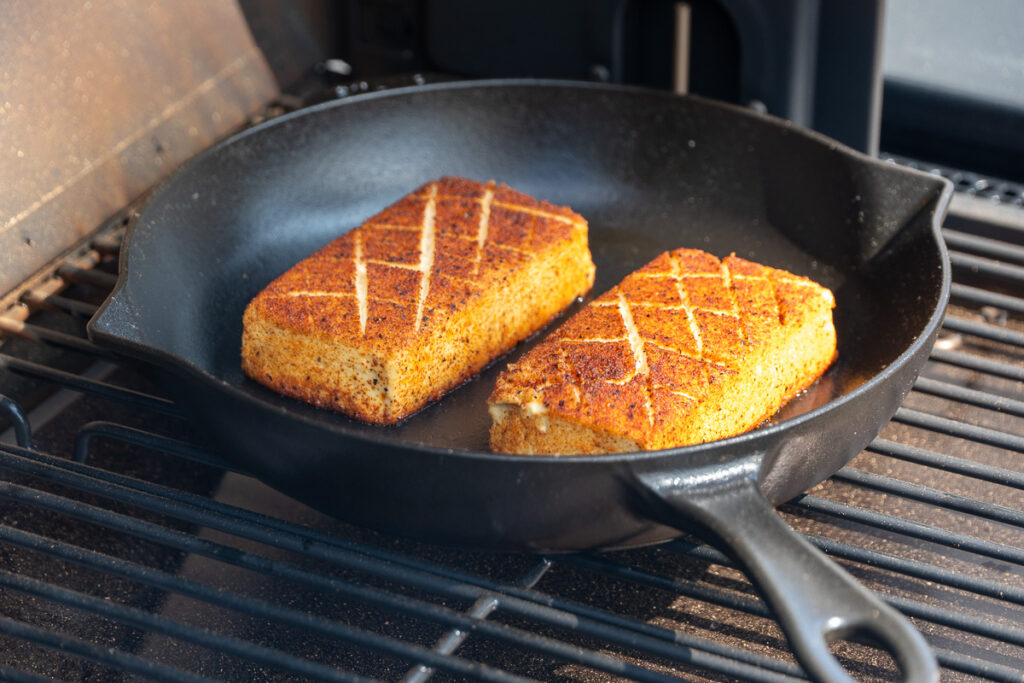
(411, 303)
(685, 350)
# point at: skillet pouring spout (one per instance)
(816, 602)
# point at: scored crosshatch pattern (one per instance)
(654, 344)
(427, 253)
(394, 313)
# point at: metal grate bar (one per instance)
(672, 639)
(617, 624)
(137, 437)
(874, 558)
(969, 362)
(154, 623)
(944, 425)
(44, 334)
(995, 190)
(985, 246)
(984, 266)
(962, 622)
(969, 468)
(981, 399)
(729, 600)
(990, 332)
(481, 609)
(438, 614)
(450, 642)
(977, 667)
(434, 583)
(920, 570)
(63, 304)
(101, 655)
(942, 499)
(244, 604)
(947, 659)
(687, 588)
(97, 278)
(19, 421)
(983, 297)
(911, 529)
(404, 604)
(89, 386)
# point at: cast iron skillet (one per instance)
(651, 172)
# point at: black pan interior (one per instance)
(649, 171)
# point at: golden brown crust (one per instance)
(415, 300)
(685, 350)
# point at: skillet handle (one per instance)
(815, 600)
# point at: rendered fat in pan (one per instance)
(650, 171)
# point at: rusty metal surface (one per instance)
(101, 100)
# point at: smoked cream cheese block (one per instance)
(685, 350)
(411, 303)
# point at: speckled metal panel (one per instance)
(101, 100)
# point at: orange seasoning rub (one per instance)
(396, 312)
(685, 350)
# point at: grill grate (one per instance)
(969, 182)
(129, 548)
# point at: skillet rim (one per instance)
(107, 315)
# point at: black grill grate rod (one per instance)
(685, 587)
(984, 246)
(983, 330)
(36, 333)
(968, 362)
(985, 266)
(156, 624)
(654, 639)
(63, 304)
(950, 660)
(961, 430)
(940, 499)
(138, 437)
(89, 386)
(481, 609)
(984, 297)
(113, 658)
(450, 642)
(980, 399)
(240, 603)
(948, 463)
(977, 667)
(750, 606)
(911, 529)
(445, 616)
(19, 421)
(722, 598)
(71, 273)
(962, 622)
(921, 570)
(873, 558)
